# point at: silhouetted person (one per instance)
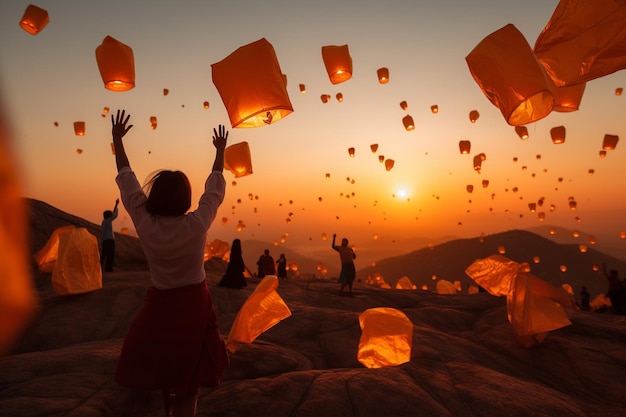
(266, 264)
(174, 343)
(616, 289)
(107, 256)
(584, 299)
(234, 275)
(281, 267)
(347, 257)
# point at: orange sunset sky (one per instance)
(53, 77)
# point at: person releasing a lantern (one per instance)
(174, 344)
(347, 257)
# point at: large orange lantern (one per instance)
(610, 142)
(568, 98)
(338, 63)
(237, 159)
(465, 146)
(407, 121)
(34, 19)
(558, 134)
(386, 337)
(508, 73)
(383, 75)
(79, 128)
(116, 64)
(252, 86)
(583, 41)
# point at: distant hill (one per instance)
(449, 261)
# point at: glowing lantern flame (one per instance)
(610, 142)
(116, 64)
(237, 159)
(532, 207)
(338, 63)
(389, 164)
(351, 152)
(34, 19)
(383, 75)
(473, 116)
(79, 128)
(501, 249)
(558, 134)
(381, 158)
(407, 121)
(339, 97)
(206, 104)
(619, 91)
(465, 146)
(252, 86)
(522, 132)
(602, 154)
(434, 108)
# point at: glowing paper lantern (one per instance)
(465, 146)
(166, 91)
(374, 147)
(386, 337)
(567, 98)
(351, 152)
(237, 159)
(116, 64)
(485, 183)
(583, 41)
(494, 273)
(263, 309)
(383, 75)
(153, 122)
(473, 116)
(79, 128)
(79, 151)
(381, 158)
(619, 91)
(444, 286)
(558, 134)
(501, 249)
(302, 88)
(77, 269)
(206, 104)
(325, 98)
(389, 164)
(610, 142)
(469, 188)
(407, 121)
(338, 63)
(404, 105)
(405, 283)
(506, 70)
(434, 108)
(34, 19)
(478, 163)
(602, 154)
(339, 97)
(251, 85)
(522, 132)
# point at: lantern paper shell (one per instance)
(383, 75)
(34, 19)
(558, 134)
(351, 152)
(583, 41)
(325, 98)
(302, 88)
(339, 97)
(610, 142)
(465, 146)
(338, 63)
(116, 63)
(522, 132)
(619, 91)
(568, 98)
(252, 86)
(404, 105)
(77, 269)
(374, 147)
(408, 123)
(473, 116)
(508, 73)
(237, 159)
(389, 163)
(434, 108)
(206, 104)
(263, 309)
(79, 128)
(386, 337)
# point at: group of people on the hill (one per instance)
(174, 344)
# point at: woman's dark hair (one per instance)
(169, 193)
(107, 213)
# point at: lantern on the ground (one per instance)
(79, 128)
(116, 64)
(383, 75)
(610, 142)
(338, 63)
(558, 134)
(34, 19)
(237, 159)
(465, 146)
(386, 337)
(252, 86)
(508, 73)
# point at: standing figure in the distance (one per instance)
(107, 255)
(281, 267)
(234, 275)
(266, 264)
(347, 257)
(174, 344)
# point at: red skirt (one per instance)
(174, 344)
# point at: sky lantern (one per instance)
(591, 171)
(237, 159)
(592, 240)
(383, 75)
(465, 146)
(536, 259)
(116, 63)
(572, 205)
(339, 97)
(532, 207)
(541, 216)
(434, 108)
(351, 152)
(610, 142)
(252, 86)
(206, 104)
(386, 337)
(153, 122)
(619, 91)
(501, 249)
(522, 132)
(338, 63)
(478, 162)
(381, 158)
(79, 151)
(568, 98)
(474, 115)
(325, 98)
(485, 183)
(302, 88)
(508, 73)
(166, 91)
(374, 147)
(404, 105)
(469, 188)
(407, 121)
(582, 42)
(558, 134)
(34, 19)
(602, 153)
(389, 164)
(583, 248)
(79, 128)
(563, 268)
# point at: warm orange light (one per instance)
(116, 64)
(338, 63)
(532, 207)
(610, 142)
(325, 98)
(558, 134)
(602, 154)
(381, 158)
(465, 146)
(34, 19)
(79, 128)
(383, 75)
(302, 88)
(404, 105)
(522, 132)
(237, 159)
(206, 104)
(583, 248)
(572, 205)
(474, 115)
(563, 268)
(153, 122)
(434, 108)
(407, 121)
(389, 164)
(339, 97)
(351, 152)
(501, 249)
(252, 86)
